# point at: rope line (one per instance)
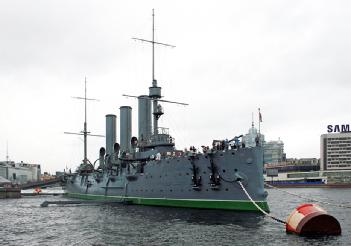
(308, 198)
(258, 207)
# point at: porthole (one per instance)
(235, 170)
(223, 170)
(187, 173)
(226, 189)
(233, 153)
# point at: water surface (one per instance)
(24, 222)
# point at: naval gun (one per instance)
(236, 141)
(224, 144)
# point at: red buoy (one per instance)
(310, 219)
(37, 190)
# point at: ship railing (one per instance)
(161, 139)
(157, 139)
(162, 130)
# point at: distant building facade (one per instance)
(295, 165)
(335, 151)
(273, 152)
(20, 172)
(303, 161)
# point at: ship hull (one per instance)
(184, 203)
(168, 182)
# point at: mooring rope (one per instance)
(308, 198)
(258, 207)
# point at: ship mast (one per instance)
(154, 82)
(154, 90)
(85, 131)
(7, 151)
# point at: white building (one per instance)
(251, 137)
(20, 172)
(335, 152)
(273, 152)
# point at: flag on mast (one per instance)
(258, 142)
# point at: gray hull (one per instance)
(169, 182)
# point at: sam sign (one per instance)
(338, 128)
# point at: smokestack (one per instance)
(144, 117)
(125, 128)
(110, 133)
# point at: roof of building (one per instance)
(4, 181)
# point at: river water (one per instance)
(24, 222)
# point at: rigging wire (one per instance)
(179, 132)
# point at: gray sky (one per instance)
(290, 58)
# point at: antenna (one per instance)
(153, 42)
(85, 132)
(154, 90)
(160, 100)
(7, 151)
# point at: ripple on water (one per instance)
(24, 222)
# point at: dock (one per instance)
(8, 189)
(42, 192)
(82, 202)
(10, 192)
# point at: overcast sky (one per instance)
(290, 58)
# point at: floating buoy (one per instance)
(310, 219)
(37, 190)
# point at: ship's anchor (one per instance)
(214, 176)
(195, 178)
